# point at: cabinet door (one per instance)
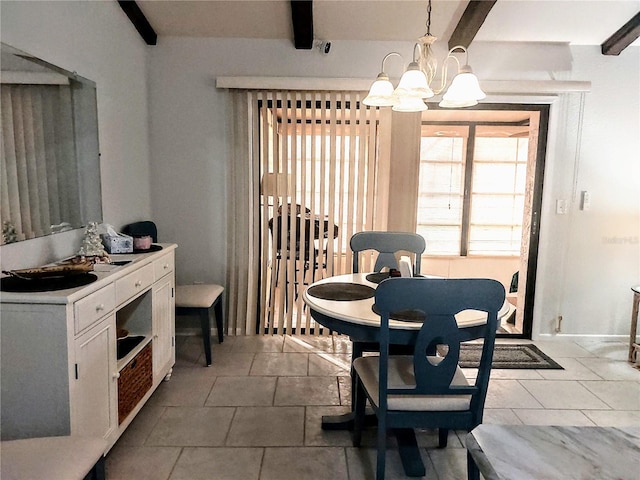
(94, 380)
(163, 328)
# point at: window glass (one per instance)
(495, 201)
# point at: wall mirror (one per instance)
(50, 161)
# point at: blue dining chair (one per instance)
(426, 389)
(387, 244)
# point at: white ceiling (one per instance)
(579, 22)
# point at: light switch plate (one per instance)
(561, 206)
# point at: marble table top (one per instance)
(525, 452)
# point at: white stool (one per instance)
(199, 300)
(68, 458)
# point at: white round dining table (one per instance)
(357, 318)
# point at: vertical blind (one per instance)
(303, 178)
(318, 164)
(39, 189)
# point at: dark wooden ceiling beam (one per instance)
(302, 17)
(625, 36)
(470, 22)
(144, 28)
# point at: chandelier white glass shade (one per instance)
(414, 84)
(381, 93)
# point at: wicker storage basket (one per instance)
(134, 382)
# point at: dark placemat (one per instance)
(377, 277)
(14, 284)
(341, 291)
(152, 248)
(403, 315)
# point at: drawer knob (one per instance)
(138, 283)
(100, 307)
(166, 266)
(116, 375)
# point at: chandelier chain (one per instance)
(429, 17)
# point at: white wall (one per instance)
(590, 259)
(582, 275)
(97, 40)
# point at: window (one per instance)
(472, 189)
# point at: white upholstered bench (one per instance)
(64, 458)
(200, 300)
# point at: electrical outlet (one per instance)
(559, 324)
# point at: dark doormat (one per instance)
(505, 356)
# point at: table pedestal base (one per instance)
(407, 443)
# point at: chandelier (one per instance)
(417, 82)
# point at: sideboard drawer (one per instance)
(163, 265)
(93, 307)
(134, 283)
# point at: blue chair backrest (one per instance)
(387, 244)
(438, 301)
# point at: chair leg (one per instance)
(443, 437)
(360, 406)
(205, 324)
(217, 308)
(382, 447)
(356, 352)
(473, 473)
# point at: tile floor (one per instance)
(255, 413)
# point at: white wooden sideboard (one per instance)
(59, 368)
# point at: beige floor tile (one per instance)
(617, 395)
(614, 418)
(342, 344)
(188, 387)
(314, 435)
(553, 417)
(329, 364)
(189, 351)
(512, 374)
(218, 463)
(450, 463)
(611, 369)
(509, 394)
(258, 343)
(362, 464)
(310, 463)
(609, 350)
(428, 438)
(140, 428)
(308, 344)
(307, 391)
(500, 416)
(563, 394)
(125, 462)
(291, 364)
(344, 386)
(191, 427)
(573, 370)
(242, 391)
(267, 427)
(231, 364)
(561, 349)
